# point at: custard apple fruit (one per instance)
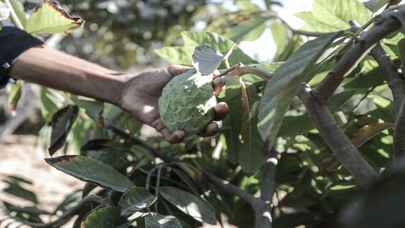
(186, 102)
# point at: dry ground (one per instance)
(20, 156)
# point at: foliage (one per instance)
(280, 149)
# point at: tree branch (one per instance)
(399, 133)
(395, 82)
(240, 70)
(268, 182)
(338, 142)
(397, 86)
(384, 25)
(261, 209)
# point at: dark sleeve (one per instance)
(13, 42)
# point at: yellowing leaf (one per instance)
(51, 18)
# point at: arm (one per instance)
(55, 69)
(136, 94)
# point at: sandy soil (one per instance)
(20, 156)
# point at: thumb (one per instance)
(175, 70)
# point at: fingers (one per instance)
(211, 129)
(218, 85)
(175, 137)
(221, 110)
(172, 137)
(175, 70)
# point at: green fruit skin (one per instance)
(186, 102)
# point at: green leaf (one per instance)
(219, 43)
(106, 217)
(331, 16)
(243, 141)
(280, 36)
(190, 204)
(183, 55)
(286, 83)
(51, 101)
(14, 95)
(248, 30)
(136, 199)
(93, 109)
(176, 55)
(51, 18)
(161, 221)
(246, 5)
(18, 11)
(206, 59)
(375, 5)
(91, 170)
(61, 123)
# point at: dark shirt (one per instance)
(13, 42)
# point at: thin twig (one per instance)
(338, 142)
(240, 70)
(384, 25)
(261, 209)
(137, 141)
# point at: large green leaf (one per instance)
(14, 95)
(331, 16)
(51, 18)
(244, 144)
(94, 109)
(206, 59)
(61, 124)
(190, 204)
(161, 221)
(280, 36)
(51, 102)
(183, 55)
(176, 55)
(91, 170)
(375, 5)
(18, 13)
(248, 30)
(219, 43)
(286, 83)
(106, 217)
(136, 199)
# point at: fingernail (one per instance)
(212, 129)
(177, 136)
(218, 85)
(176, 69)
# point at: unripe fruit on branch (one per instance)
(187, 102)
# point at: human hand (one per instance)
(141, 94)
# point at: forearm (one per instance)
(55, 69)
